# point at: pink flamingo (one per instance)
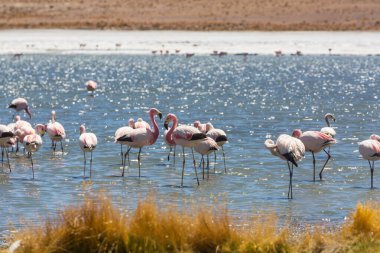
(370, 150)
(201, 127)
(55, 131)
(168, 138)
(121, 132)
(32, 143)
(289, 149)
(220, 137)
(20, 104)
(329, 130)
(91, 86)
(315, 142)
(205, 147)
(18, 125)
(140, 137)
(6, 135)
(141, 124)
(185, 136)
(87, 142)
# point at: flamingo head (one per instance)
(209, 126)
(297, 133)
(82, 129)
(330, 116)
(375, 137)
(154, 111)
(17, 118)
(40, 129)
(169, 118)
(131, 123)
(196, 123)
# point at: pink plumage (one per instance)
(32, 143)
(185, 136)
(220, 137)
(201, 127)
(315, 141)
(289, 149)
(91, 85)
(20, 104)
(55, 131)
(87, 142)
(140, 137)
(370, 150)
(206, 147)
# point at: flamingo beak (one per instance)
(160, 115)
(166, 125)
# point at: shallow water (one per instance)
(252, 99)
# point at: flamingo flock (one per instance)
(137, 134)
(201, 138)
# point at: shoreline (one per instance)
(82, 41)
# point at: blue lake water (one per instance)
(252, 99)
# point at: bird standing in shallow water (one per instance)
(55, 131)
(141, 137)
(220, 137)
(32, 143)
(206, 147)
(315, 142)
(20, 104)
(6, 135)
(290, 149)
(370, 150)
(91, 86)
(185, 136)
(87, 142)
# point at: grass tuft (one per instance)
(96, 226)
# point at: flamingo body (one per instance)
(20, 104)
(55, 131)
(91, 85)
(87, 142)
(289, 149)
(370, 150)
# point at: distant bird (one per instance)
(201, 127)
(370, 150)
(220, 137)
(289, 149)
(55, 131)
(32, 143)
(315, 142)
(20, 104)
(329, 130)
(206, 147)
(121, 132)
(87, 142)
(91, 86)
(6, 135)
(140, 137)
(185, 136)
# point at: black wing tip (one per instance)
(125, 138)
(221, 138)
(12, 106)
(290, 158)
(7, 134)
(198, 136)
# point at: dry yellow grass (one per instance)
(97, 226)
(192, 14)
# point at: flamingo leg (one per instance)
(372, 168)
(313, 166)
(214, 160)
(9, 164)
(121, 154)
(170, 150)
(208, 167)
(195, 168)
(125, 158)
(139, 160)
(61, 147)
(84, 164)
(224, 160)
(183, 164)
(2, 156)
(290, 191)
(328, 158)
(90, 163)
(31, 160)
(16, 146)
(174, 154)
(203, 167)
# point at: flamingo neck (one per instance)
(155, 127)
(327, 121)
(169, 135)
